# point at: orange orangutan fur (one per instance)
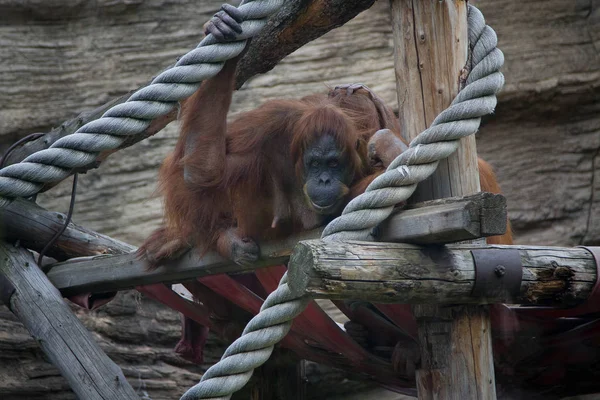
(244, 173)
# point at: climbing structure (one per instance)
(454, 359)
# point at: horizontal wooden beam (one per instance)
(447, 220)
(118, 272)
(62, 337)
(438, 221)
(403, 273)
(100, 274)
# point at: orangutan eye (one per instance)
(333, 163)
(314, 164)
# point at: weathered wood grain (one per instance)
(545, 133)
(438, 221)
(64, 339)
(543, 142)
(447, 220)
(431, 52)
(117, 271)
(110, 273)
(408, 274)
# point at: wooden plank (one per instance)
(408, 274)
(431, 49)
(464, 219)
(62, 337)
(99, 274)
(447, 220)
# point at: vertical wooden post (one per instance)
(431, 50)
(63, 338)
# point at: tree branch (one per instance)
(34, 226)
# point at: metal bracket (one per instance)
(592, 304)
(6, 290)
(498, 273)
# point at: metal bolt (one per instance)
(500, 271)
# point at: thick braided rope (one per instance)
(253, 348)
(81, 148)
(461, 119)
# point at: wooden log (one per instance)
(62, 337)
(297, 23)
(470, 217)
(437, 221)
(447, 220)
(34, 226)
(431, 49)
(99, 274)
(431, 46)
(444, 275)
